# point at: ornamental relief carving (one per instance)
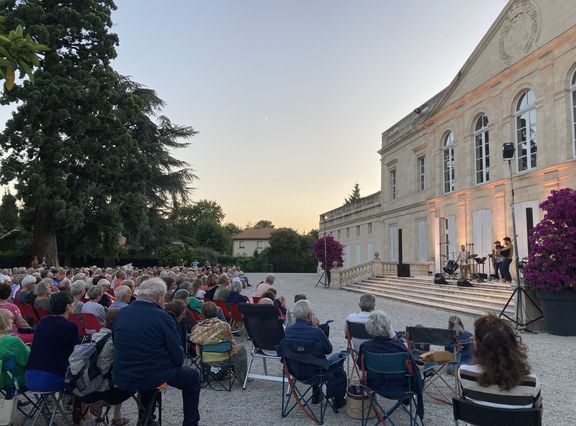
(519, 31)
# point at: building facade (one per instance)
(251, 240)
(444, 181)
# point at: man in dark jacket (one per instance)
(305, 348)
(148, 351)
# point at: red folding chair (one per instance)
(42, 313)
(222, 305)
(91, 323)
(237, 317)
(28, 313)
(197, 316)
(255, 299)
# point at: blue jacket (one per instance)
(147, 346)
(391, 384)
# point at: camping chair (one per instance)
(29, 313)
(87, 324)
(237, 317)
(266, 332)
(12, 389)
(217, 371)
(433, 371)
(482, 415)
(146, 412)
(355, 330)
(42, 405)
(224, 306)
(389, 364)
(304, 389)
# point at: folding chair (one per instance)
(146, 412)
(29, 313)
(216, 371)
(355, 330)
(237, 317)
(12, 389)
(482, 415)
(303, 387)
(42, 405)
(389, 364)
(224, 306)
(266, 332)
(433, 371)
(87, 324)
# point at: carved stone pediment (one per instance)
(519, 31)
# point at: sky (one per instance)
(290, 98)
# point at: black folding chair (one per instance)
(355, 330)
(433, 371)
(482, 415)
(221, 372)
(389, 364)
(305, 388)
(265, 330)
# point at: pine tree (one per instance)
(354, 196)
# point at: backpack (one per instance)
(83, 376)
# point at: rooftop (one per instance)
(254, 234)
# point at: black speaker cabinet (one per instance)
(403, 270)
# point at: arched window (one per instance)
(573, 90)
(526, 131)
(482, 149)
(448, 163)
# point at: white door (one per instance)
(482, 232)
(370, 252)
(345, 256)
(393, 235)
(422, 241)
(358, 259)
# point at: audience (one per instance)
(54, 341)
(18, 323)
(123, 296)
(148, 352)
(235, 290)
(77, 291)
(501, 376)
(265, 285)
(26, 294)
(42, 293)
(92, 306)
(367, 304)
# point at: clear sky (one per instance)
(290, 97)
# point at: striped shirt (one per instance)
(525, 395)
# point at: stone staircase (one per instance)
(478, 300)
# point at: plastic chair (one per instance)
(266, 332)
(482, 415)
(389, 364)
(214, 371)
(433, 371)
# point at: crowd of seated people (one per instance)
(61, 293)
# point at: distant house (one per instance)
(250, 240)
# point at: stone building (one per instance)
(444, 181)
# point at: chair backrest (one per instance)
(430, 336)
(236, 314)
(301, 360)
(219, 348)
(79, 321)
(476, 414)
(222, 305)
(262, 325)
(357, 330)
(28, 313)
(255, 299)
(42, 313)
(391, 363)
(91, 323)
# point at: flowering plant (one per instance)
(552, 258)
(333, 250)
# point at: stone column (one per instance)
(335, 283)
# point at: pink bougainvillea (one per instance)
(552, 258)
(334, 251)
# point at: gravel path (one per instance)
(551, 358)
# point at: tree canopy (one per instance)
(354, 196)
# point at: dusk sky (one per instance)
(290, 97)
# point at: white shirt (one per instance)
(362, 317)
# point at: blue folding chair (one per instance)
(11, 389)
(387, 365)
(215, 372)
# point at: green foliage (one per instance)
(289, 252)
(17, 52)
(263, 224)
(354, 196)
(210, 234)
(177, 254)
(8, 213)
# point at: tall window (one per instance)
(421, 173)
(370, 227)
(347, 232)
(573, 90)
(482, 149)
(339, 236)
(448, 162)
(526, 131)
(393, 184)
(357, 230)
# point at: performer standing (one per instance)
(496, 258)
(507, 251)
(462, 259)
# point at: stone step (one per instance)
(477, 300)
(406, 298)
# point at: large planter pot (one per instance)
(559, 311)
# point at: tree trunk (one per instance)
(44, 244)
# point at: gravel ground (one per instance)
(551, 358)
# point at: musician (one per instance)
(496, 258)
(507, 251)
(462, 259)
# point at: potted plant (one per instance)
(551, 268)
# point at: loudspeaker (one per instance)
(403, 270)
(508, 150)
(439, 279)
(463, 282)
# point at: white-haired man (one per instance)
(367, 304)
(148, 350)
(123, 295)
(305, 365)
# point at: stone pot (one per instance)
(559, 311)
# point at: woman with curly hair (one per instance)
(501, 376)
